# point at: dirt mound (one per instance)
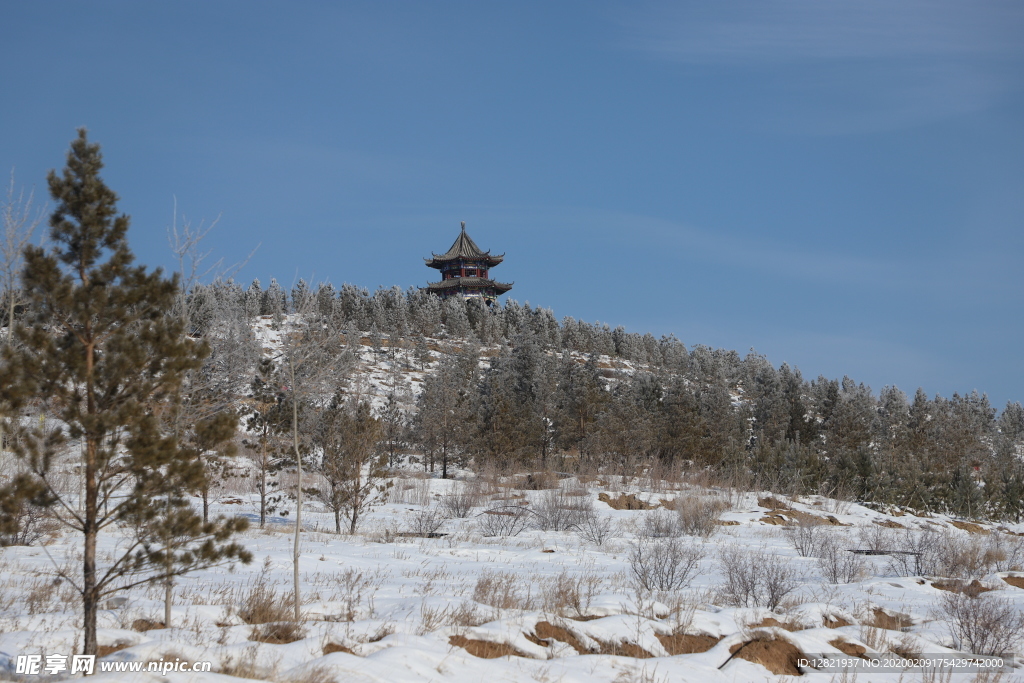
(624, 649)
(848, 648)
(625, 501)
(335, 647)
(970, 527)
(891, 622)
(1015, 581)
(545, 631)
(104, 650)
(971, 590)
(773, 503)
(889, 524)
(778, 656)
(485, 649)
(686, 644)
(834, 622)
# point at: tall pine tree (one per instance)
(101, 351)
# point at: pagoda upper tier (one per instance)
(465, 271)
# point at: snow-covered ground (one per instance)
(386, 606)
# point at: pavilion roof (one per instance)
(464, 249)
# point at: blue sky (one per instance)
(838, 185)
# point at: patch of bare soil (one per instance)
(848, 648)
(485, 649)
(971, 590)
(1015, 581)
(781, 518)
(836, 622)
(546, 631)
(778, 656)
(970, 527)
(687, 644)
(625, 501)
(890, 622)
(336, 647)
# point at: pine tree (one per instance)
(103, 352)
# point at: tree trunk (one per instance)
(168, 601)
(337, 521)
(206, 503)
(298, 495)
(263, 486)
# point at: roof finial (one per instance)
(463, 226)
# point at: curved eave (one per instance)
(440, 261)
(469, 283)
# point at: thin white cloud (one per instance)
(795, 30)
(826, 67)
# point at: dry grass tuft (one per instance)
(503, 590)
(146, 625)
(261, 604)
(772, 503)
(278, 633)
(834, 622)
(890, 622)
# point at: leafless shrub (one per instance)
(949, 554)
(659, 524)
(27, 524)
(426, 521)
(877, 538)
(755, 578)
(504, 520)
(699, 515)
(594, 528)
(1004, 553)
(568, 595)
(465, 614)
(503, 590)
(558, 511)
(664, 565)
(837, 563)
(458, 504)
(985, 625)
(806, 536)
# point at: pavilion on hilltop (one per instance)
(465, 271)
